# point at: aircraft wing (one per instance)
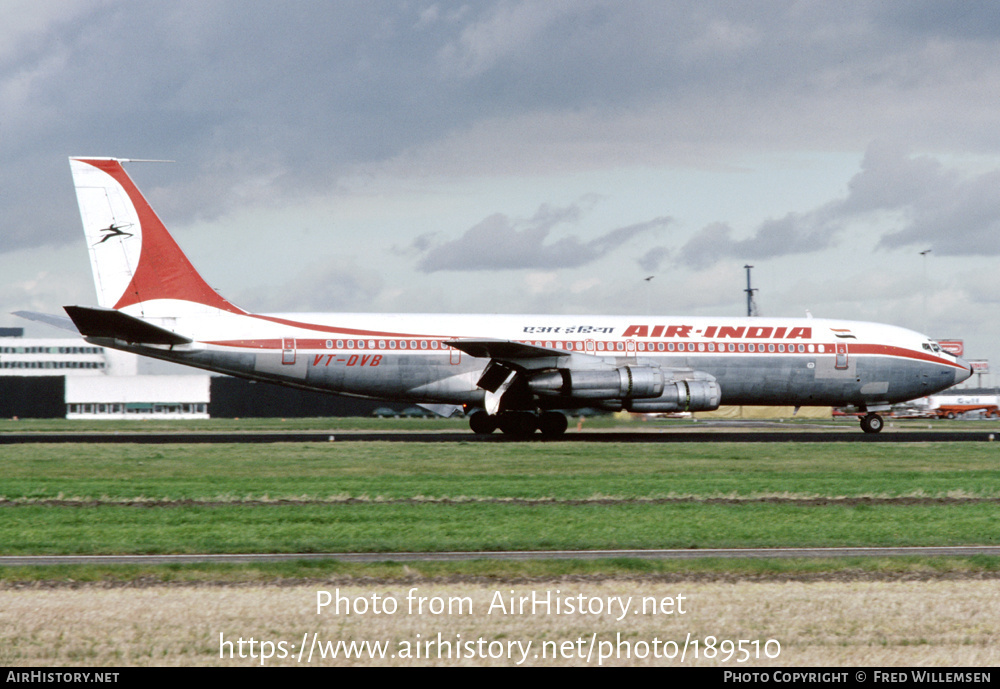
(504, 349)
(95, 321)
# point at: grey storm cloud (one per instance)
(499, 242)
(259, 100)
(654, 258)
(792, 234)
(950, 213)
(322, 286)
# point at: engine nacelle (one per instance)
(682, 395)
(625, 382)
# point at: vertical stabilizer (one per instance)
(134, 259)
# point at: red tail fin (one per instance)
(134, 258)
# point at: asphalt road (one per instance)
(664, 436)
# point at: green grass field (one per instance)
(434, 527)
(374, 497)
(459, 471)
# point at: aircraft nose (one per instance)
(965, 373)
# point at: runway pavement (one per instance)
(709, 435)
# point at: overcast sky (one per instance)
(541, 157)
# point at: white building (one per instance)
(137, 397)
(60, 357)
(104, 383)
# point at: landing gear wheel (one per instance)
(518, 424)
(872, 423)
(552, 424)
(482, 423)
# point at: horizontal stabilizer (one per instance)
(94, 321)
(55, 321)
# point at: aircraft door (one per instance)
(288, 351)
(841, 356)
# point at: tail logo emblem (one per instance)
(114, 231)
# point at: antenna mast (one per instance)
(751, 304)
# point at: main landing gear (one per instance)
(872, 423)
(519, 424)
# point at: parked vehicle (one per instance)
(953, 406)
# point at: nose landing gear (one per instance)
(872, 423)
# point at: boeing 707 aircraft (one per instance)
(515, 373)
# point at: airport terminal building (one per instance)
(137, 397)
(71, 378)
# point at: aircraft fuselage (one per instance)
(807, 362)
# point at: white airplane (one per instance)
(508, 372)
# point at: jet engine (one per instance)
(635, 388)
(681, 395)
(625, 382)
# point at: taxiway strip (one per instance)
(677, 554)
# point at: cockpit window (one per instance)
(936, 347)
(927, 346)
